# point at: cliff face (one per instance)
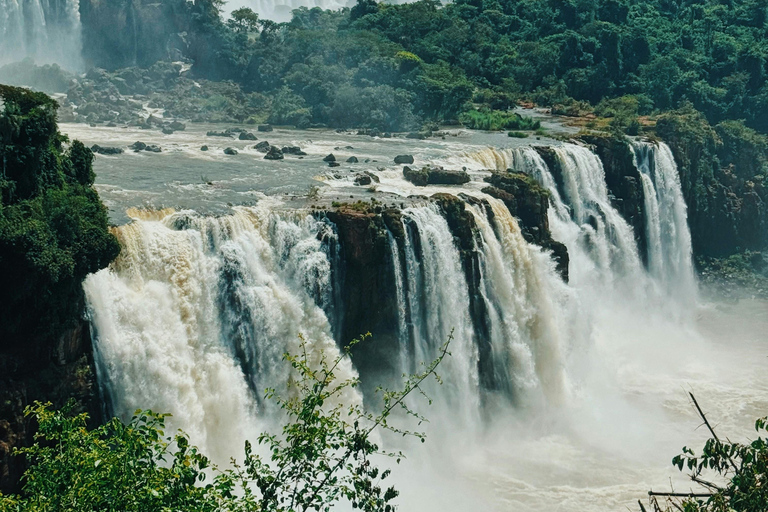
(60, 372)
(369, 299)
(53, 232)
(723, 171)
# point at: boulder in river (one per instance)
(219, 134)
(177, 126)
(404, 159)
(334, 164)
(329, 158)
(293, 150)
(265, 128)
(352, 160)
(230, 151)
(152, 148)
(104, 150)
(204, 148)
(138, 146)
(362, 179)
(167, 131)
(274, 153)
(433, 175)
(247, 136)
(262, 146)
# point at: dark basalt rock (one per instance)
(293, 150)
(352, 160)
(138, 146)
(274, 153)
(247, 136)
(152, 148)
(204, 148)
(329, 158)
(264, 128)
(104, 150)
(433, 175)
(230, 151)
(262, 146)
(334, 164)
(177, 126)
(362, 179)
(529, 202)
(404, 159)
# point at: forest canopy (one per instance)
(423, 61)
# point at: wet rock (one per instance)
(230, 151)
(362, 179)
(167, 131)
(204, 148)
(104, 150)
(152, 148)
(274, 153)
(177, 126)
(352, 160)
(329, 158)
(219, 134)
(138, 146)
(262, 146)
(264, 128)
(404, 159)
(334, 164)
(293, 150)
(247, 136)
(433, 175)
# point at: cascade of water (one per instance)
(438, 302)
(197, 309)
(669, 239)
(525, 325)
(45, 30)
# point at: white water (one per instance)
(48, 31)
(597, 369)
(438, 301)
(669, 239)
(196, 310)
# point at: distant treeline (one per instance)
(399, 65)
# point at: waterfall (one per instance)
(438, 303)
(194, 316)
(526, 327)
(47, 31)
(669, 239)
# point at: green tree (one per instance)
(244, 20)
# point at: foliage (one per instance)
(497, 120)
(565, 53)
(324, 454)
(53, 227)
(743, 467)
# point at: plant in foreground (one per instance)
(324, 454)
(737, 480)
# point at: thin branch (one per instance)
(680, 494)
(711, 430)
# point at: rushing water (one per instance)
(557, 394)
(46, 30)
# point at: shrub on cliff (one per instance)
(324, 454)
(53, 227)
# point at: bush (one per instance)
(493, 120)
(322, 455)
